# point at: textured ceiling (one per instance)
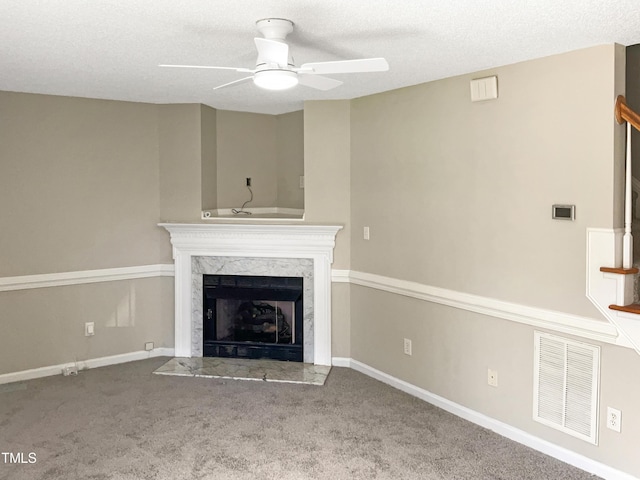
(110, 49)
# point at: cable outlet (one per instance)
(492, 377)
(248, 181)
(407, 346)
(148, 346)
(614, 419)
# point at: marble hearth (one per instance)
(265, 249)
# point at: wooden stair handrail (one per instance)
(625, 114)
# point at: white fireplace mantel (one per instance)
(250, 240)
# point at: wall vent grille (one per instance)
(566, 384)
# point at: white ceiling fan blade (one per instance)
(242, 70)
(272, 51)
(318, 82)
(232, 83)
(348, 66)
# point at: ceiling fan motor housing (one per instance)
(275, 28)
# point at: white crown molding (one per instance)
(568, 456)
(25, 282)
(85, 364)
(537, 317)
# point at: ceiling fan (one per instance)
(275, 69)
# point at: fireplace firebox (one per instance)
(253, 317)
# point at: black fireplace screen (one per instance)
(253, 317)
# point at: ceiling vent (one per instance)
(565, 385)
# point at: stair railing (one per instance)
(625, 114)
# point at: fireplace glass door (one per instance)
(252, 317)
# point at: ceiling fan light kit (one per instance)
(275, 79)
(275, 70)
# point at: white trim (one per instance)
(341, 362)
(572, 458)
(538, 317)
(216, 214)
(25, 282)
(340, 276)
(85, 364)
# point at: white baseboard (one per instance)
(580, 461)
(84, 365)
(341, 362)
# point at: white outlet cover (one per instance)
(614, 419)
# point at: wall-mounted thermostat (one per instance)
(563, 212)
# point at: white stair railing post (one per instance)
(627, 239)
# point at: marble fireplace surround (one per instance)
(253, 249)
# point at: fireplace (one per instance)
(248, 316)
(277, 250)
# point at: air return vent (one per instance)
(565, 389)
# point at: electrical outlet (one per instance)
(148, 346)
(614, 419)
(492, 377)
(248, 181)
(407, 346)
(365, 233)
(301, 181)
(89, 329)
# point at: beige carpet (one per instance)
(123, 422)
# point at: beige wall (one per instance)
(45, 326)
(458, 195)
(246, 148)
(327, 140)
(80, 190)
(290, 159)
(209, 167)
(462, 191)
(78, 184)
(180, 160)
